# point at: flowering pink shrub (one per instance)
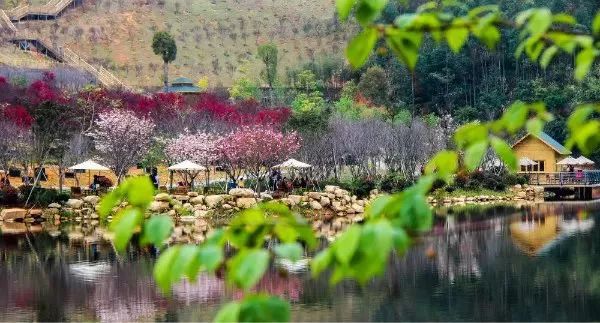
(256, 148)
(200, 148)
(122, 139)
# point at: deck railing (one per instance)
(7, 22)
(583, 178)
(52, 8)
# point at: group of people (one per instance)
(278, 182)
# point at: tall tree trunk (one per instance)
(166, 76)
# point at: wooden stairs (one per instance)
(28, 41)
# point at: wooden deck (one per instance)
(586, 178)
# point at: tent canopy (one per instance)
(525, 161)
(568, 161)
(292, 163)
(187, 166)
(89, 165)
(584, 161)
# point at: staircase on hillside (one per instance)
(27, 41)
(6, 23)
(49, 10)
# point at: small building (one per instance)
(543, 150)
(183, 85)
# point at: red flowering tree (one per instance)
(122, 139)
(15, 135)
(254, 149)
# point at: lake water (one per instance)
(539, 263)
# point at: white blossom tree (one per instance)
(200, 148)
(122, 139)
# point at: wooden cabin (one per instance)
(543, 150)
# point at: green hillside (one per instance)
(215, 37)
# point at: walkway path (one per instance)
(28, 41)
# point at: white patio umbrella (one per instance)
(293, 163)
(89, 166)
(526, 161)
(569, 161)
(186, 167)
(584, 161)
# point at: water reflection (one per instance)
(536, 263)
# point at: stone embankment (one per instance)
(330, 211)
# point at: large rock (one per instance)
(266, 196)
(54, 206)
(325, 201)
(212, 201)
(187, 219)
(245, 202)
(157, 206)
(92, 199)
(162, 197)
(197, 200)
(295, 199)
(331, 188)
(241, 192)
(315, 205)
(357, 208)
(13, 214)
(192, 194)
(74, 204)
(314, 195)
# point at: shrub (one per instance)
(42, 196)
(9, 195)
(104, 182)
(361, 187)
(393, 182)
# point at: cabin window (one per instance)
(539, 167)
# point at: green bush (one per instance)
(42, 196)
(361, 187)
(393, 182)
(9, 195)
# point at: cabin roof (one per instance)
(182, 80)
(551, 142)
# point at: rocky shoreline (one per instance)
(329, 212)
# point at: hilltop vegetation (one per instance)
(215, 37)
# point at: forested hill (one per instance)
(216, 38)
(479, 83)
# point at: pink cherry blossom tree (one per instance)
(254, 149)
(122, 139)
(201, 148)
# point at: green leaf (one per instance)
(109, 201)
(320, 262)
(401, 239)
(292, 251)
(211, 257)
(534, 126)
(377, 207)
(344, 7)
(515, 116)
(405, 45)
(456, 38)
(505, 153)
(583, 63)
(376, 243)
(247, 267)
(489, 35)
(140, 191)
(123, 226)
(548, 55)
(229, 312)
(579, 116)
(563, 18)
(369, 10)
(262, 308)
(360, 47)
(474, 154)
(445, 163)
(162, 268)
(156, 230)
(596, 24)
(285, 232)
(469, 133)
(540, 21)
(346, 244)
